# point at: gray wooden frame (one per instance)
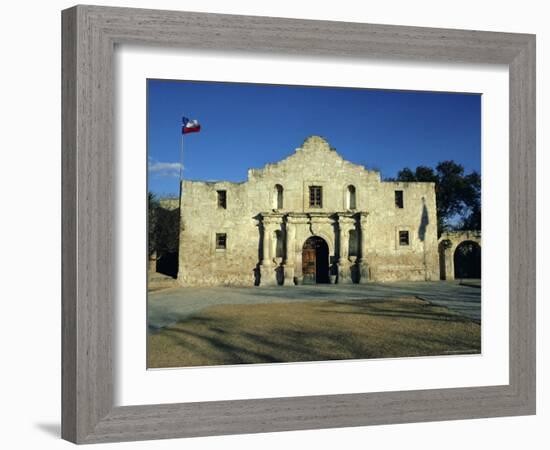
(89, 36)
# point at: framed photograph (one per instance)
(268, 222)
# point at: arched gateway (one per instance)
(315, 264)
(467, 260)
(460, 255)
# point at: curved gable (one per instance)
(314, 159)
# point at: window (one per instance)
(278, 196)
(351, 204)
(399, 199)
(403, 238)
(316, 196)
(221, 241)
(222, 199)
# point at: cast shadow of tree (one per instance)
(208, 341)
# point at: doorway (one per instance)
(315, 261)
(467, 260)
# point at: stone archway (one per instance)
(467, 260)
(449, 243)
(315, 261)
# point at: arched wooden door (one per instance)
(315, 261)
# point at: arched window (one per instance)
(278, 197)
(350, 197)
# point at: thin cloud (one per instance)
(164, 169)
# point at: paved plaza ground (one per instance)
(168, 306)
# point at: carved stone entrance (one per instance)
(315, 262)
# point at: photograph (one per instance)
(292, 224)
(258, 225)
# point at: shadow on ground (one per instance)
(313, 331)
(169, 306)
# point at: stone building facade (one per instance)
(310, 218)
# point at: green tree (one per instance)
(458, 195)
(167, 230)
(152, 216)
(163, 235)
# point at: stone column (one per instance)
(153, 262)
(450, 263)
(344, 266)
(266, 244)
(363, 264)
(290, 256)
(268, 276)
(445, 251)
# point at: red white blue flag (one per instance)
(189, 126)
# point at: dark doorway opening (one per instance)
(467, 260)
(315, 262)
(167, 264)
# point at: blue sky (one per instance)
(248, 125)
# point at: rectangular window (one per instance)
(221, 241)
(316, 196)
(222, 199)
(399, 199)
(403, 238)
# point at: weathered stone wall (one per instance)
(388, 259)
(252, 217)
(201, 218)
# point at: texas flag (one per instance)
(189, 126)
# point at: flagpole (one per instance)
(181, 158)
(181, 168)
